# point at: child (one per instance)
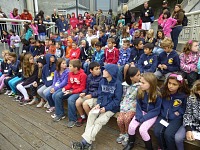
(108, 103)
(148, 61)
(34, 27)
(147, 109)
(14, 42)
(76, 84)
(26, 46)
(88, 98)
(40, 49)
(62, 24)
(59, 51)
(111, 53)
(52, 47)
(59, 81)
(124, 36)
(84, 55)
(38, 83)
(160, 36)
(188, 61)
(103, 37)
(98, 54)
(174, 97)
(75, 51)
(198, 68)
(168, 61)
(150, 37)
(128, 103)
(121, 20)
(6, 38)
(30, 74)
(68, 49)
(28, 32)
(47, 78)
(90, 36)
(134, 27)
(114, 36)
(41, 30)
(168, 23)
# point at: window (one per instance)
(103, 4)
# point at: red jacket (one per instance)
(74, 53)
(74, 22)
(23, 16)
(76, 82)
(111, 56)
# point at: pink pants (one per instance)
(2, 78)
(144, 127)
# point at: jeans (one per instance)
(42, 91)
(120, 73)
(50, 97)
(166, 135)
(180, 137)
(157, 50)
(86, 67)
(13, 82)
(175, 34)
(71, 99)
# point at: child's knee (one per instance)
(79, 102)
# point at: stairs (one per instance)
(188, 5)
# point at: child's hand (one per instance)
(35, 84)
(88, 96)
(190, 136)
(176, 113)
(67, 92)
(102, 110)
(118, 65)
(63, 90)
(96, 107)
(164, 66)
(160, 66)
(82, 95)
(8, 61)
(52, 90)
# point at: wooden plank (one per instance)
(5, 144)
(18, 127)
(13, 138)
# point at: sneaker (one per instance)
(77, 146)
(87, 147)
(34, 101)
(53, 116)
(50, 110)
(80, 122)
(23, 102)
(58, 118)
(125, 141)
(19, 98)
(12, 95)
(70, 124)
(46, 105)
(7, 91)
(120, 138)
(41, 103)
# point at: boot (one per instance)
(131, 141)
(148, 145)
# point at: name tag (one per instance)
(49, 78)
(6, 71)
(164, 123)
(95, 111)
(124, 54)
(145, 62)
(24, 51)
(63, 29)
(20, 70)
(57, 84)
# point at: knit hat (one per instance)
(41, 60)
(164, 2)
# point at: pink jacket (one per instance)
(35, 29)
(160, 19)
(12, 17)
(188, 63)
(167, 26)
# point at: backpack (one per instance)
(185, 21)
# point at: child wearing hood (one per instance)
(108, 103)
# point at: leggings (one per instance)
(144, 127)
(23, 90)
(13, 82)
(123, 121)
(2, 78)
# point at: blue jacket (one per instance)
(5, 68)
(48, 70)
(172, 62)
(62, 26)
(59, 81)
(92, 85)
(28, 34)
(135, 55)
(147, 63)
(124, 56)
(110, 93)
(152, 109)
(15, 67)
(103, 40)
(177, 102)
(99, 57)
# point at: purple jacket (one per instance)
(188, 63)
(6, 39)
(59, 81)
(167, 25)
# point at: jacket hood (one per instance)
(112, 70)
(47, 56)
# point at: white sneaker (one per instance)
(50, 110)
(32, 102)
(10, 93)
(41, 103)
(53, 116)
(7, 91)
(47, 105)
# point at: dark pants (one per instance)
(6, 82)
(175, 34)
(166, 135)
(191, 77)
(16, 28)
(33, 90)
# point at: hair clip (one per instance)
(178, 77)
(190, 41)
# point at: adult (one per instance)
(178, 14)
(100, 18)
(80, 21)
(110, 20)
(14, 15)
(26, 15)
(2, 23)
(146, 14)
(73, 21)
(164, 6)
(54, 18)
(40, 15)
(127, 14)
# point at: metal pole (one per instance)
(77, 8)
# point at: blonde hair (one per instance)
(195, 88)
(125, 8)
(167, 42)
(151, 33)
(154, 91)
(5, 53)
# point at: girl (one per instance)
(41, 30)
(147, 109)
(34, 27)
(84, 55)
(5, 67)
(52, 47)
(14, 42)
(6, 38)
(121, 20)
(60, 80)
(174, 96)
(30, 74)
(128, 104)
(75, 51)
(27, 31)
(150, 37)
(124, 36)
(160, 36)
(168, 24)
(188, 61)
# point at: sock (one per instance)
(83, 116)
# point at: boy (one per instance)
(76, 84)
(98, 54)
(168, 61)
(103, 37)
(75, 51)
(111, 53)
(62, 24)
(59, 51)
(108, 103)
(148, 61)
(114, 36)
(88, 98)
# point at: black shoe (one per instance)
(131, 142)
(77, 146)
(148, 145)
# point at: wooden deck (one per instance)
(30, 128)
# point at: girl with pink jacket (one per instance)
(34, 27)
(168, 23)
